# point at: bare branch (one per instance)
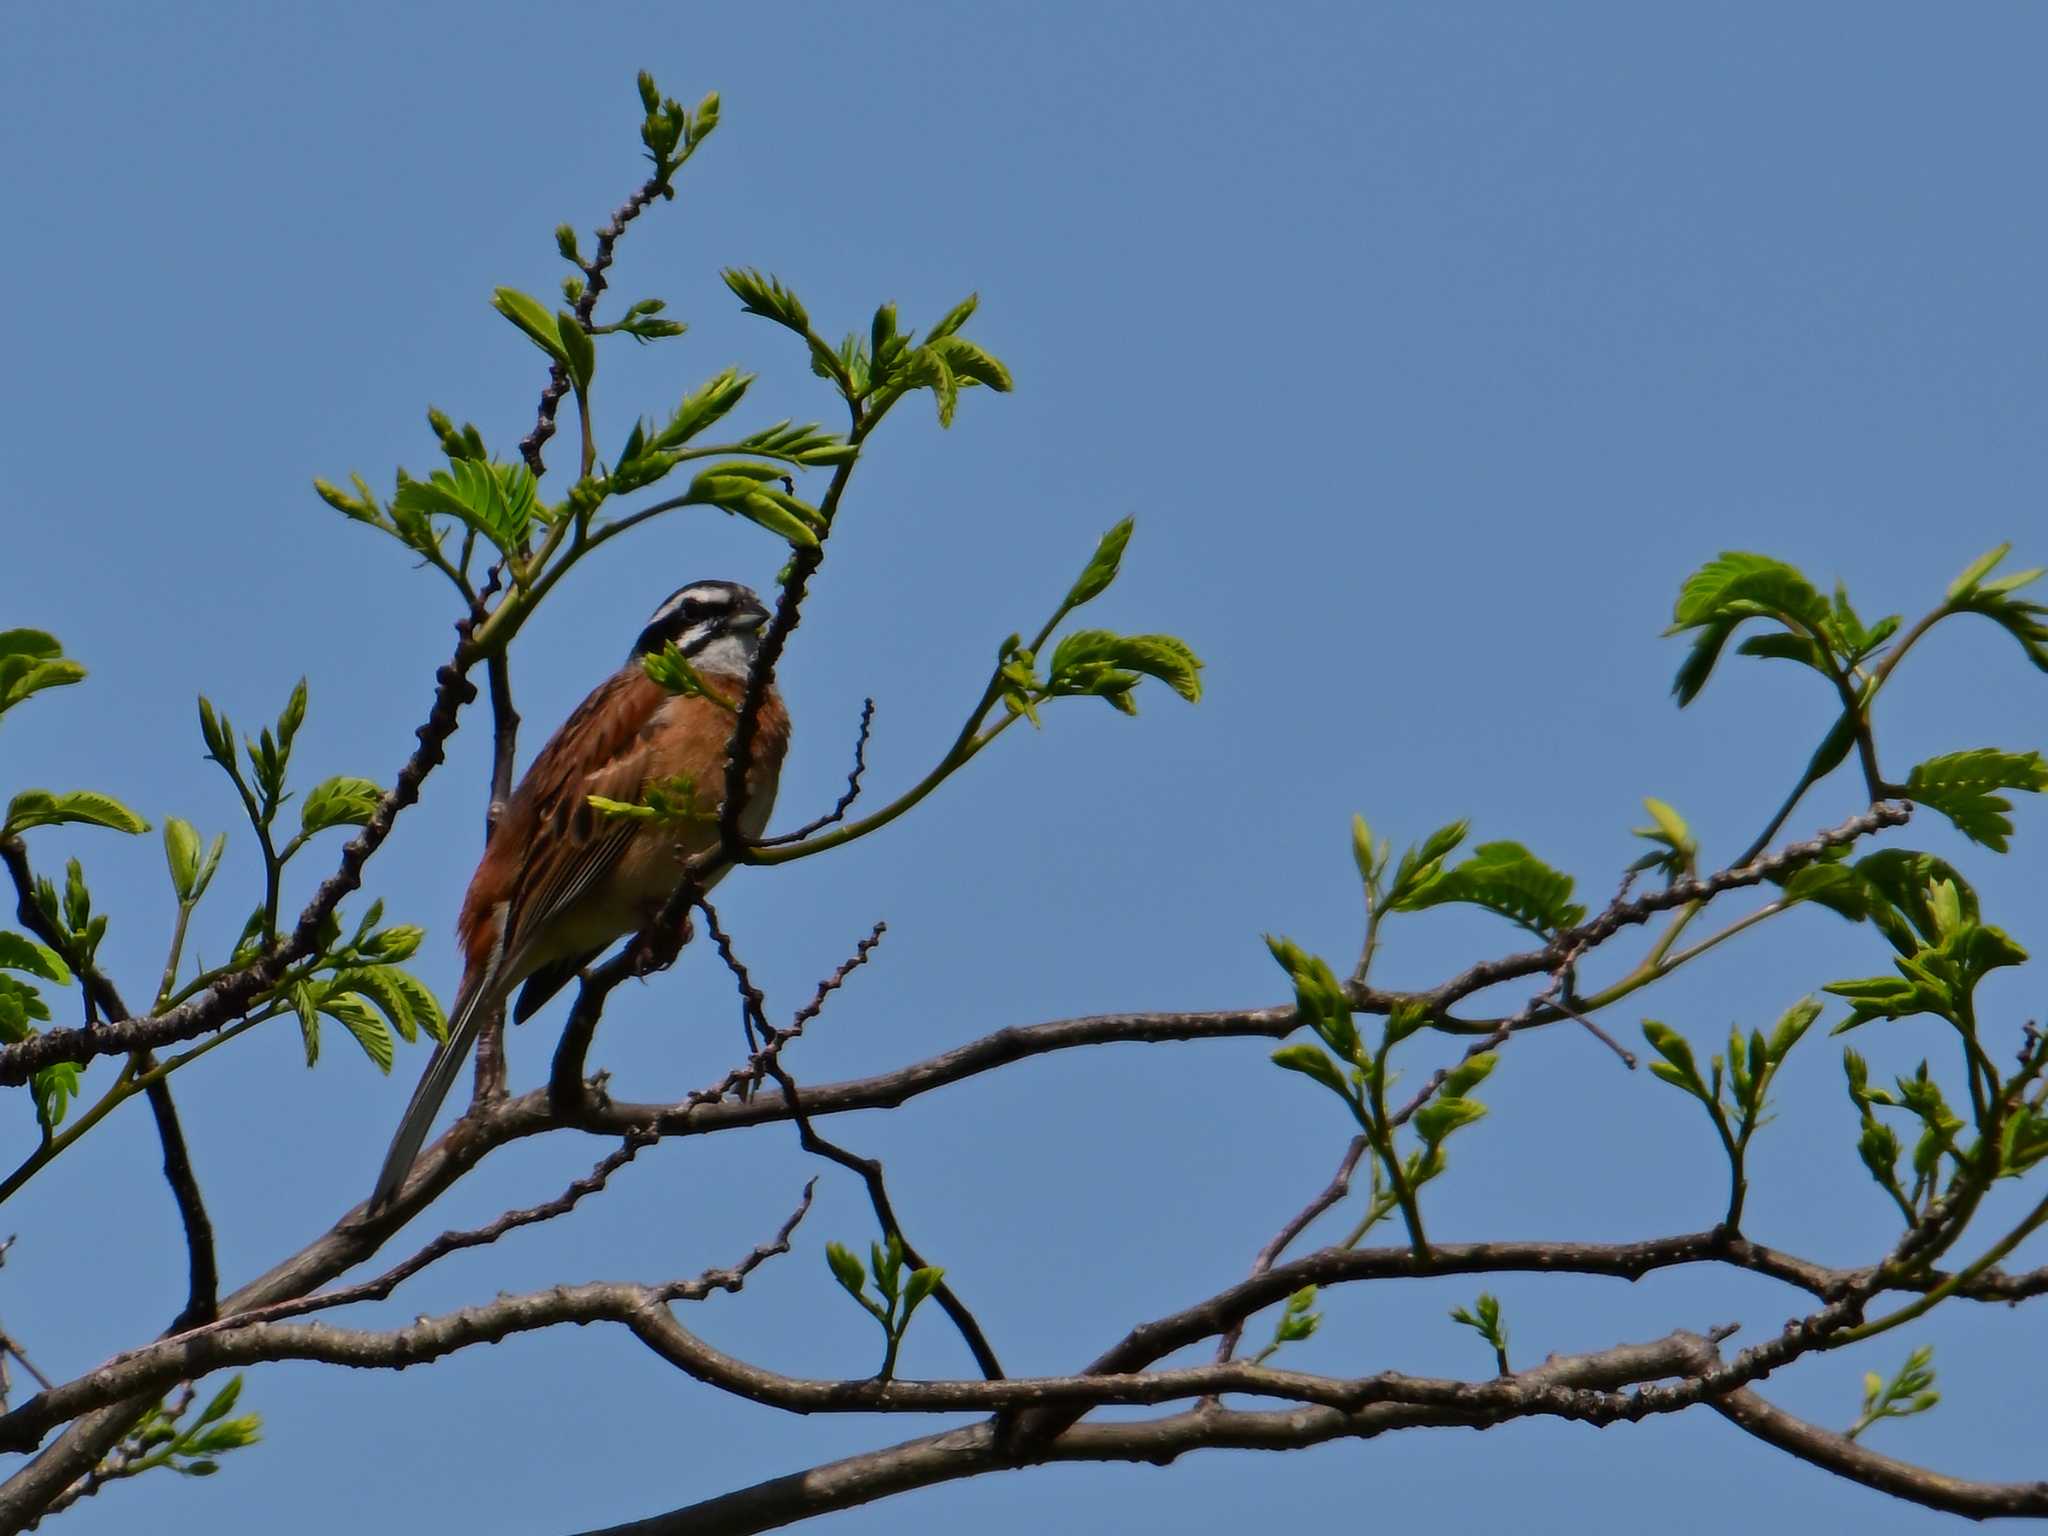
(157, 1367)
(1338, 1187)
(845, 803)
(1857, 1462)
(1551, 1388)
(595, 280)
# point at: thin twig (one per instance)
(845, 803)
(595, 281)
(1338, 1187)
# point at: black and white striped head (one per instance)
(717, 624)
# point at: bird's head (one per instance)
(716, 624)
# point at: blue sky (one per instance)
(1430, 346)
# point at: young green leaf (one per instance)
(1910, 1391)
(1962, 786)
(532, 317)
(846, 1268)
(1506, 878)
(41, 808)
(1310, 1061)
(18, 952)
(339, 802)
(765, 296)
(1102, 567)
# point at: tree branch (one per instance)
(155, 1368)
(1678, 893)
(845, 802)
(1901, 1479)
(1385, 1405)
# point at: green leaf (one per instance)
(339, 802)
(532, 317)
(1898, 880)
(1088, 660)
(30, 661)
(222, 1403)
(765, 296)
(1698, 665)
(181, 852)
(703, 406)
(954, 318)
(397, 942)
(1310, 1061)
(846, 1268)
(307, 1006)
(1102, 566)
(1838, 887)
(380, 985)
(1793, 1024)
(499, 501)
(1961, 786)
(19, 1003)
(35, 644)
(54, 1087)
(18, 952)
(1669, 823)
(40, 808)
(1420, 864)
(368, 1031)
(1298, 1319)
(579, 351)
(2026, 622)
(1784, 646)
(1369, 858)
(1437, 1119)
(1506, 878)
(1467, 1075)
(1675, 848)
(922, 1283)
(969, 364)
(1977, 570)
(426, 1009)
(1740, 585)
(1679, 1068)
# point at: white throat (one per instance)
(729, 655)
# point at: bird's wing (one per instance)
(569, 848)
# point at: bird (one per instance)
(558, 881)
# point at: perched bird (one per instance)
(559, 881)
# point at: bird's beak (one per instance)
(751, 618)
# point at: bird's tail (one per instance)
(471, 1009)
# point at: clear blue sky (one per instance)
(1431, 346)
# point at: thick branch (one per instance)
(1552, 1388)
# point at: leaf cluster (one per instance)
(897, 1295)
(193, 1449)
(1484, 1319)
(1909, 1391)
(1356, 1071)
